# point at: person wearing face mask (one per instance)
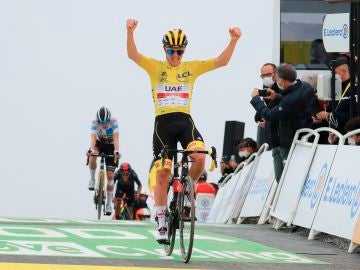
(247, 147)
(353, 124)
(293, 110)
(270, 128)
(341, 114)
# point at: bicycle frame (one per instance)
(180, 213)
(100, 184)
(121, 206)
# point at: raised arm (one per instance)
(133, 54)
(224, 58)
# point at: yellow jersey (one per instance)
(172, 86)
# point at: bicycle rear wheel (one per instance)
(171, 221)
(100, 195)
(187, 219)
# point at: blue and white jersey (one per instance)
(105, 135)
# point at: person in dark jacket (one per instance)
(293, 111)
(341, 115)
(268, 72)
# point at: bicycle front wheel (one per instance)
(100, 195)
(187, 219)
(171, 221)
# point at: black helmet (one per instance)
(103, 115)
(175, 38)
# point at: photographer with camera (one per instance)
(293, 110)
(267, 74)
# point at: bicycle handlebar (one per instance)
(102, 155)
(211, 153)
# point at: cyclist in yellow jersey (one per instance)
(171, 84)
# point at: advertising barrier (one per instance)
(235, 184)
(218, 202)
(246, 176)
(240, 199)
(314, 185)
(339, 207)
(260, 187)
(293, 178)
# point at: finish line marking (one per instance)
(131, 242)
(23, 266)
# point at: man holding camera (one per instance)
(267, 74)
(293, 110)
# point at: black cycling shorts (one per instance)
(171, 128)
(108, 149)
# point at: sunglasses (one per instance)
(172, 51)
(104, 122)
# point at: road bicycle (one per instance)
(181, 200)
(100, 184)
(122, 211)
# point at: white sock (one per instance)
(92, 174)
(109, 197)
(160, 214)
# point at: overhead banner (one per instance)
(260, 187)
(336, 32)
(314, 185)
(339, 207)
(293, 182)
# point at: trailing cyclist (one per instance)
(126, 178)
(104, 139)
(172, 84)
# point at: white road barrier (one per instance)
(339, 207)
(218, 202)
(232, 200)
(319, 189)
(293, 177)
(314, 185)
(258, 193)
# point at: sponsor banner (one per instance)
(293, 182)
(203, 204)
(339, 207)
(336, 32)
(260, 187)
(136, 243)
(232, 196)
(314, 185)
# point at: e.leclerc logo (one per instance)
(343, 194)
(312, 188)
(337, 32)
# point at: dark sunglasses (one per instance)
(172, 51)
